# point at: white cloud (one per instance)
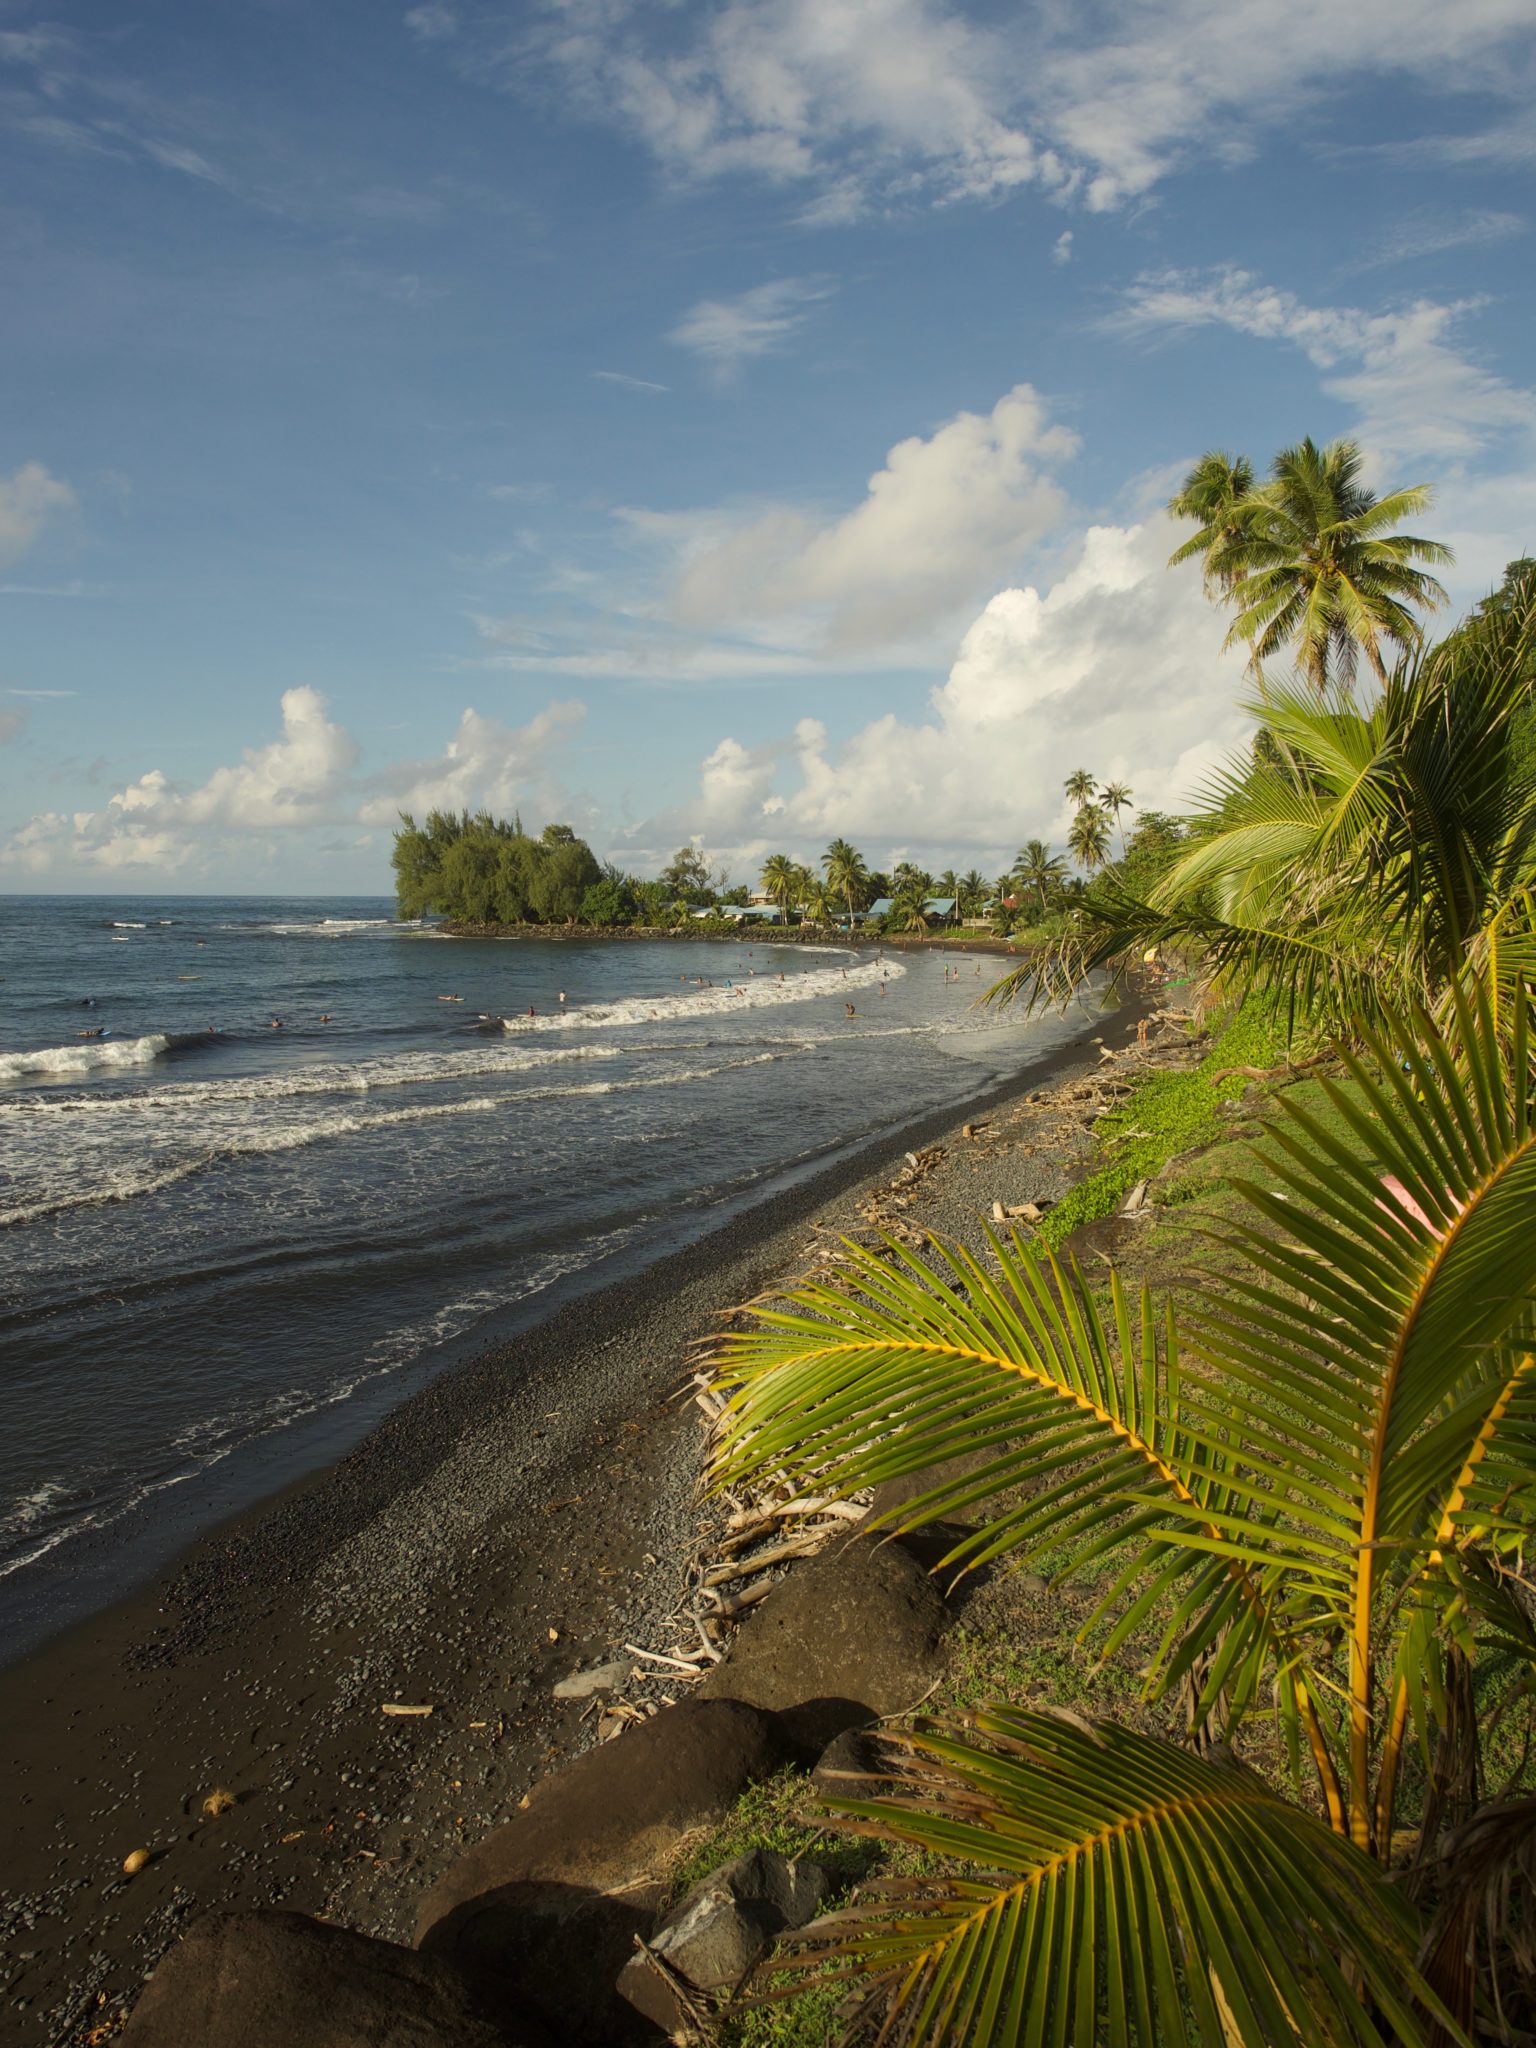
(1117, 667)
(434, 22)
(1061, 249)
(1431, 234)
(875, 103)
(938, 523)
(485, 763)
(305, 779)
(29, 498)
(727, 332)
(627, 382)
(1418, 393)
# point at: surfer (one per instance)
(90, 1034)
(850, 1009)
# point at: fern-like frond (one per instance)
(1118, 1891)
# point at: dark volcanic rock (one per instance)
(851, 1634)
(549, 1905)
(851, 1768)
(282, 1980)
(722, 1928)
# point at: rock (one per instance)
(600, 1678)
(893, 1494)
(249, 1980)
(851, 1634)
(719, 1931)
(849, 1768)
(537, 1907)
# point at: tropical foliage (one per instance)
(1363, 855)
(1317, 1477)
(1310, 559)
(483, 870)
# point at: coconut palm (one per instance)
(1215, 496)
(1318, 566)
(970, 892)
(1088, 840)
(816, 898)
(780, 878)
(1310, 1475)
(1116, 797)
(1081, 788)
(1039, 869)
(1364, 855)
(847, 876)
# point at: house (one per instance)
(940, 909)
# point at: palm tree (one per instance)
(1364, 855)
(780, 877)
(1116, 797)
(1040, 869)
(947, 884)
(970, 892)
(816, 899)
(1319, 565)
(1215, 495)
(1081, 787)
(1088, 839)
(847, 876)
(1315, 1472)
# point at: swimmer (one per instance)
(325, 1016)
(531, 1011)
(850, 1009)
(276, 1024)
(562, 995)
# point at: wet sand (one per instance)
(521, 1517)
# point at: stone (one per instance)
(850, 1768)
(891, 1495)
(249, 1980)
(720, 1930)
(599, 1678)
(850, 1635)
(548, 1905)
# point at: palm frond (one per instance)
(1124, 1893)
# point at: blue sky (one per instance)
(742, 422)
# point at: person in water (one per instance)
(276, 1024)
(850, 1009)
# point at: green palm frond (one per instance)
(1126, 1893)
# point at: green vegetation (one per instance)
(1166, 1114)
(1310, 559)
(1296, 1493)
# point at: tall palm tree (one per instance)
(1039, 869)
(817, 898)
(1315, 1472)
(1088, 839)
(970, 892)
(1366, 855)
(1080, 786)
(847, 876)
(780, 876)
(947, 884)
(1215, 496)
(1116, 797)
(1318, 565)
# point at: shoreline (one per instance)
(540, 1487)
(957, 938)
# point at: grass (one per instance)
(1164, 1115)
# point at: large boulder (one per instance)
(720, 1930)
(549, 1905)
(252, 1980)
(850, 1635)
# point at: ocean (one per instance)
(229, 1244)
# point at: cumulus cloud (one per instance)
(726, 332)
(1116, 667)
(29, 498)
(485, 763)
(306, 778)
(938, 522)
(1061, 249)
(1417, 391)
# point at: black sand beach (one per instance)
(516, 1520)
